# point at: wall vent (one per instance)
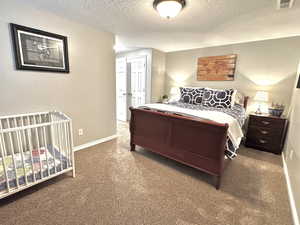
(285, 4)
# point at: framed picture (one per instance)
(39, 50)
(216, 68)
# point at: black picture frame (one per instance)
(39, 50)
(298, 84)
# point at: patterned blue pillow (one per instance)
(218, 98)
(191, 95)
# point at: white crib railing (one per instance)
(33, 148)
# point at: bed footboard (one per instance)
(194, 142)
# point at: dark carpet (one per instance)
(116, 187)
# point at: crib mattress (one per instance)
(56, 162)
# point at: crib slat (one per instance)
(3, 149)
(67, 144)
(72, 152)
(30, 149)
(60, 145)
(13, 154)
(38, 147)
(70, 144)
(46, 147)
(2, 127)
(20, 147)
(24, 139)
(53, 140)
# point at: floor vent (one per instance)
(285, 4)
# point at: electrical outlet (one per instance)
(291, 154)
(80, 132)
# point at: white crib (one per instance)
(33, 148)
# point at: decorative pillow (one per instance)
(186, 95)
(218, 98)
(191, 95)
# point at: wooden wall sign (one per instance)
(216, 68)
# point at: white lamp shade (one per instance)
(168, 9)
(261, 96)
(174, 94)
(174, 91)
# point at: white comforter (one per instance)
(235, 132)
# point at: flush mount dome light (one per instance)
(168, 8)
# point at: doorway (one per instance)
(130, 84)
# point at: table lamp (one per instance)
(174, 94)
(174, 91)
(261, 96)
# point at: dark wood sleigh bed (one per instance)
(194, 142)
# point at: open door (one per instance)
(137, 81)
(121, 88)
(131, 84)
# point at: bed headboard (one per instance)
(246, 102)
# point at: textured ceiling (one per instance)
(202, 23)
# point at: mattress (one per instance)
(234, 117)
(41, 167)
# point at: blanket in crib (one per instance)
(42, 159)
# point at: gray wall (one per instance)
(292, 147)
(87, 94)
(263, 65)
(158, 75)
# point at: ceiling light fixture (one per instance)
(168, 8)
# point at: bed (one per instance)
(202, 135)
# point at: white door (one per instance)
(121, 88)
(137, 81)
(131, 85)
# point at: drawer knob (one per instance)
(264, 132)
(262, 141)
(265, 122)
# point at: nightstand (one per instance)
(266, 133)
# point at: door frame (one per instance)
(117, 89)
(148, 85)
(128, 78)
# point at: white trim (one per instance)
(290, 193)
(95, 142)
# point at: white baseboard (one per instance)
(96, 142)
(290, 193)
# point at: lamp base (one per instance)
(258, 111)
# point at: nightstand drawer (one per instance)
(266, 122)
(262, 132)
(264, 144)
(264, 141)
